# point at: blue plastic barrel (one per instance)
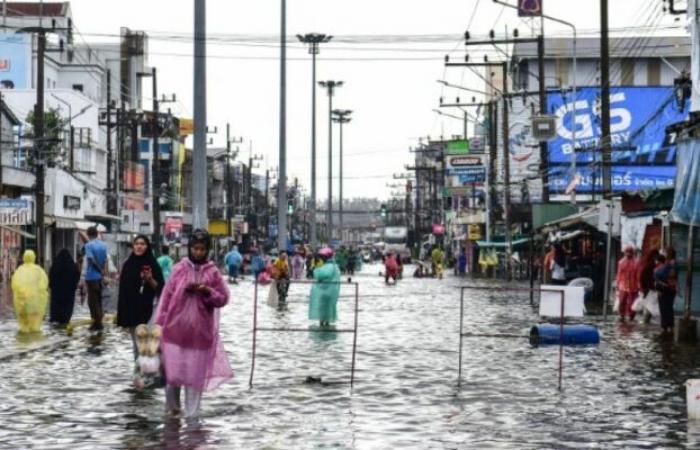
(549, 334)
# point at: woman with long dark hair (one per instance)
(666, 283)
(140, 281)
(64, 276)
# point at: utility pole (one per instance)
(199, 158)
(341, 116)
(155, 167)
(313, 40)
(282, 173)
(267, 203)
(330, 88)
(111, 204)
(605, 99)
(39, 146)
(229, 181)
(505, 137)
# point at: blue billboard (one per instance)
(15, 60)
(643, 157)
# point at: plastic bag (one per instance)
(616, 305)
(638, 305)
(272, 296)
(651, 304)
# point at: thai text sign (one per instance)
(14, 212)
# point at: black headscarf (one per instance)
(64, 272)
(135, 306)
(199, 236)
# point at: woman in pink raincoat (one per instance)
(192, 353)
(627, 283)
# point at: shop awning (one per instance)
(83, 226)
(588, 216)
(18, 231)
(103, 217)
(62, 223)
(501, 244)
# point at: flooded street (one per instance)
(627, 392)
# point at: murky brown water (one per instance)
(625, 393)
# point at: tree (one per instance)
(53, 126)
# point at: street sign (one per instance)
(461, 161)
(475, 175)
(529, 8)
(544, 128)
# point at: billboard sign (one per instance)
(529, 8)
(454, 162)
(14, 212)
(643, 155)
(458, 147)
(15, 60)
(473, 175)
(172, 228)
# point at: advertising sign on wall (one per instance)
(172, 228)
(15, 60)
(643, 156)
(458, 147)
(14, 212)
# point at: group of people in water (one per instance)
(183, 300)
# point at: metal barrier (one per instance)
(462, 334)
(308, 330)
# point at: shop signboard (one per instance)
(458, 147)
(643, 155)
(14, 212)
(15, 60)
(172, 228)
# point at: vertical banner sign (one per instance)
(15, 60)
(529, 8)
(173, 227)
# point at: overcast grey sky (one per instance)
(390, 87)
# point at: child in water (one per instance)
(192, 353)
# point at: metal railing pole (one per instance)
(461, 335)
(255, 331)
(561, 339)
(354, 337)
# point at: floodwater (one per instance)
(627, 392)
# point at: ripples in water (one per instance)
(625, 393)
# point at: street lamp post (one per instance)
(313, 40)
(341, 116)
(330, 87)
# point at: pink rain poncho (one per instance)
(191, 348)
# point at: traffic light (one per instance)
(383, 211)
(290, 207)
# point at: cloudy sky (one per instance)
(388, 52)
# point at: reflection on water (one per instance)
(627, 392)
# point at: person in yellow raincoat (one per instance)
(30, 292)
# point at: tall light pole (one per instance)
(341, 116)
(330, 88)
(199, 163)
(313, 40)
(282, 180)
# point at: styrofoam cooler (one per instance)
(692, 395)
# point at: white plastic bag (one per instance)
(638, 305)
(616, 305)
(651, 304)
(272, 297)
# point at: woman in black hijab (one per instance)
(140, 281)
(63, 281)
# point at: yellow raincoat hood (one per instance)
(29, 257)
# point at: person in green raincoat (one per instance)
(30, 294)
(324, 293)
(341, 259)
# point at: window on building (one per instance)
(627, 72)
(78, 87)
(653, 72)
